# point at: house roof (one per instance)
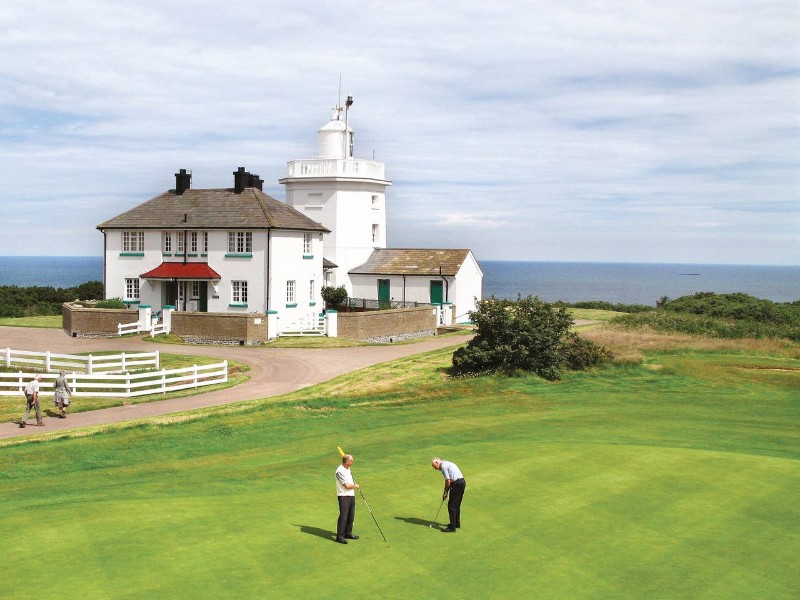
(176, 270)
(412, 261)
(213, 209)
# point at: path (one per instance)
(273, 371)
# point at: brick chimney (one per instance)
(241, 179)
(183, 181)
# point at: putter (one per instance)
(437, 514)
(371, 513)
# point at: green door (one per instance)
(384, 293)
(203, 303)
(437, 297)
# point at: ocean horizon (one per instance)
(623, 283)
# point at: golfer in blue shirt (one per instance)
(454, 486)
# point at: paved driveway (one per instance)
(273, 371)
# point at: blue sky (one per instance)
(628, 131)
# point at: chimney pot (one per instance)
(183, 181)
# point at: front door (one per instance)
(384, 293)
(437, 297)
(203, 296)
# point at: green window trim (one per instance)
(166, 254)
(308, 256)
(131, 301)
(193, 254)
(312, 303)
(237, 305)
(238, 255)
(292, 305)
(131, 253)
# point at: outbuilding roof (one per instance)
(213, 209)
(412, 261)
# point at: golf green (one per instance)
(680, 482)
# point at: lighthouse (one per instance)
(345, 194)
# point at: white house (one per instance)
(237, 249)
(216, 250)
(434, 276)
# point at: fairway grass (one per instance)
(674, 478)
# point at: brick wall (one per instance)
(382, 324)
(220, 328)
(78, 321)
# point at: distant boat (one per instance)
(689, 273)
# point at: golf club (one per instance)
(371, 513)
(437, 514)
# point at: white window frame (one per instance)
(240, 242)
(311, 287)
(181, 242)
(133, 241)
(290, 291)
(239, 292)
(205, 242)
(167, 242)
(131, 288)
(306, 243)
(374, 233)
(193, 245)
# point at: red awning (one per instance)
(171, 270)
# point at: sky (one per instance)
(616, 131)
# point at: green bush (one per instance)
(526, 335)
(334, 296)
(111, 303)
(35, 301)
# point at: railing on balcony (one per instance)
(336, 167)
(365, 304)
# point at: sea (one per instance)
(623, 283)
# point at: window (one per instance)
(375, 201)
(306, 243)
(239, 292)
(240, 242)
(132, 289)
(193, 241)
(374, 234)
(167, 245)
(311, 291)
(195, 289)
(290, 292)
(181, 242)
(133, 241)
(205, 242)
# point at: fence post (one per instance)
(272, 324)
(127, 384)
(90, 366)
(8, 358)
(122, 367)
(158, 359)
(225, 362)
(47, 361)
(163, 381)
(21, 384)
(331, 323)
(195, 375)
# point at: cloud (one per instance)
(578, 130)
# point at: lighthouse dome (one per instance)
(332, 138)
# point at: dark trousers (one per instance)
(454, 502)
(347, 514)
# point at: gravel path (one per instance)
(273, 371)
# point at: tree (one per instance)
(334, 296)
(524, 335)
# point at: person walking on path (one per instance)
(32, 401)
(346, 494)
(454, 485)
(62, 394)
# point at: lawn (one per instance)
(677, 477)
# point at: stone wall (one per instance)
(231, 329)
(387, 325)
(79, 321)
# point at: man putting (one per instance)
(346, 494)
(454, 485)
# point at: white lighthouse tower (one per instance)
(347, 195)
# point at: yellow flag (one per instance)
(341, 452)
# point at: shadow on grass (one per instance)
(321, 533)
(416, 521)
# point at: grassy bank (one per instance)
(673, 478)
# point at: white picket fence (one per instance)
(123, 385)
(102, 363)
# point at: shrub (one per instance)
(582, 354)
(111, 303)
(334, 296)
(525, 335)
